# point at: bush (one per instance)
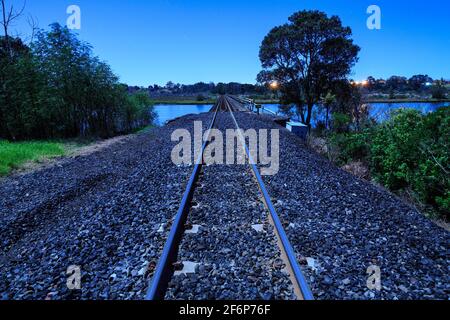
(138, 112)
(352, 146)
(411, 152)
(439, 92)
(341, 122)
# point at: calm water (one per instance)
(170, 112)
(379, 111)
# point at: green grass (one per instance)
(13, 155)
(144, 129)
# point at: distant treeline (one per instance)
(420, 84)
(201, 88)
(56, 88)
(438, 89)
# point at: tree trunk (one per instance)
(309, 115)
(327, 120)
(5, 28)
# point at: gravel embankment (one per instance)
(104, 213)
(343, 225)
(101, 212)
(235, 261)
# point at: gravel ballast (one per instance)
(235, 249)
(340, 226)
(110, 213)
(102, 212)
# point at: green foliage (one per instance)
(411, 151)
(439, 91)
(58, 89)
(22, 91)
(341, 122)
(201, 97)
(395, 148)
(12, 155)
(137, 111)
(352, 146)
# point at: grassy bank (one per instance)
(17, 155)
(13, 155)
(144, 129)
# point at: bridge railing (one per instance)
(253, 106)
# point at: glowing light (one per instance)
(274, 85)
(363, 83)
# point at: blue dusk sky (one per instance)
(186, 41)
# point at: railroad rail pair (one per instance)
(164, 270)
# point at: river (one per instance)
(379, 111)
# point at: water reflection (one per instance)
(378, 111)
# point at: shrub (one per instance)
(341, 122)
(439, 92)
(411, 152)
(352, 146)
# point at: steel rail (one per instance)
(244, 101)
(164, 270)
(286, 247)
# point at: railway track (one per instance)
(226, 240)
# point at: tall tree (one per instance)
(419, 81)
(67, 63)
(21, 90)
(307, 55)
(9, 14)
